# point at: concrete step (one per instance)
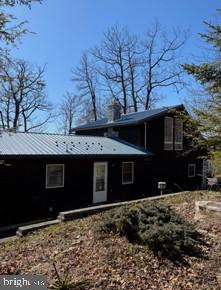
(21, 231)
(8, 239)
(77, 213)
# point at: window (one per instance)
(127, 172)
(191, 170)
(178, 142)
(111, 133)
(168, 133)
(54, 175)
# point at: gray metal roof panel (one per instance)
(55, 144)
(131, 118)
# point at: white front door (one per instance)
(100, 182)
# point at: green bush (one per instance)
(155, 225)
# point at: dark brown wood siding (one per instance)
(166, 165)
(133, 134)
(24, 195)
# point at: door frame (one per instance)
(104, 192)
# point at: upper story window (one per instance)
(127, 172)
(168, 133)
(178, 142)
(54, 175)
(173, 134)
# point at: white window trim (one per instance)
(132, 181)
(180, 142)
(172, 134)
(194, 166)
(46, 181)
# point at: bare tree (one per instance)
(10, 31)
(22, 96)
(85, 76)
(134, 60)
(133, 70)
(69, 111)
(116, 50)
(161, 67)
(86, 114)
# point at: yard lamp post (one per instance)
(161, 186)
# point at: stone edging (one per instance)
(77, 213)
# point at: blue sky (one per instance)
(64, 28)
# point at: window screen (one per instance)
(178, 134)
(54, 175)
(168, 133)
(191, 170)
(127, 172)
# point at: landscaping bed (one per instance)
(114, 263)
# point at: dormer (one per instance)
(155, 130)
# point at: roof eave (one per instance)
(116, 124)
(18, 156)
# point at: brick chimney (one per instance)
(114, 111)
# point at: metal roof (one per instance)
(55, 144)
(131, 118)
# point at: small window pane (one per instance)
(178, 134)
(168, 133)
(100, 178)
(191, 170)
(54, 180)
(100, 184)
(111, 133)
(55, 175)
(127, 172)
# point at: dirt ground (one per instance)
(112, 262)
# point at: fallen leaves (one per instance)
(111, 262)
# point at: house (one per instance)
(42, 174)
(162, 132)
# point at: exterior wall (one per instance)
(166, 165)
(174, 171)
(133, 134)
(172, 165)
(25, 197)
(93, 132)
